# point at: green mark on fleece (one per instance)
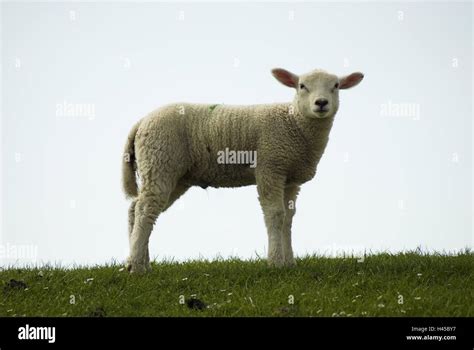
(211, 107)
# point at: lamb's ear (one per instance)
(350, 80)
(285, 77)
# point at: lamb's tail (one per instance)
(129, 167)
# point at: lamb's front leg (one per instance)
(271, 193)
(291, 192)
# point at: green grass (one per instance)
(430, 285)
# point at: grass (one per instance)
(406, 284)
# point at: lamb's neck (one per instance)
(315, 131)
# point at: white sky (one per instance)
(386, 182)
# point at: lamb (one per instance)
(177, 146)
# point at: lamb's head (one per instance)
(317, 92)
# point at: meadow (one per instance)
(404, 284)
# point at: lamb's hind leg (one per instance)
(147, 209)
(131, 217)
(131, 224)
(177, 192)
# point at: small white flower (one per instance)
(417, 298)
(381, 305)
(88, 280)
(184, 279)
(419, 274)
(123, 268)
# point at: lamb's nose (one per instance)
(321, 102)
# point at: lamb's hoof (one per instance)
(281, 262)
(276, 262)
(138, 268)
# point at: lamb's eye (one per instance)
(303, 87)
(336, 86)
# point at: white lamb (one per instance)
(178, 146)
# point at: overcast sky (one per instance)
(397, 173)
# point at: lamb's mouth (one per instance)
(320, 113)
